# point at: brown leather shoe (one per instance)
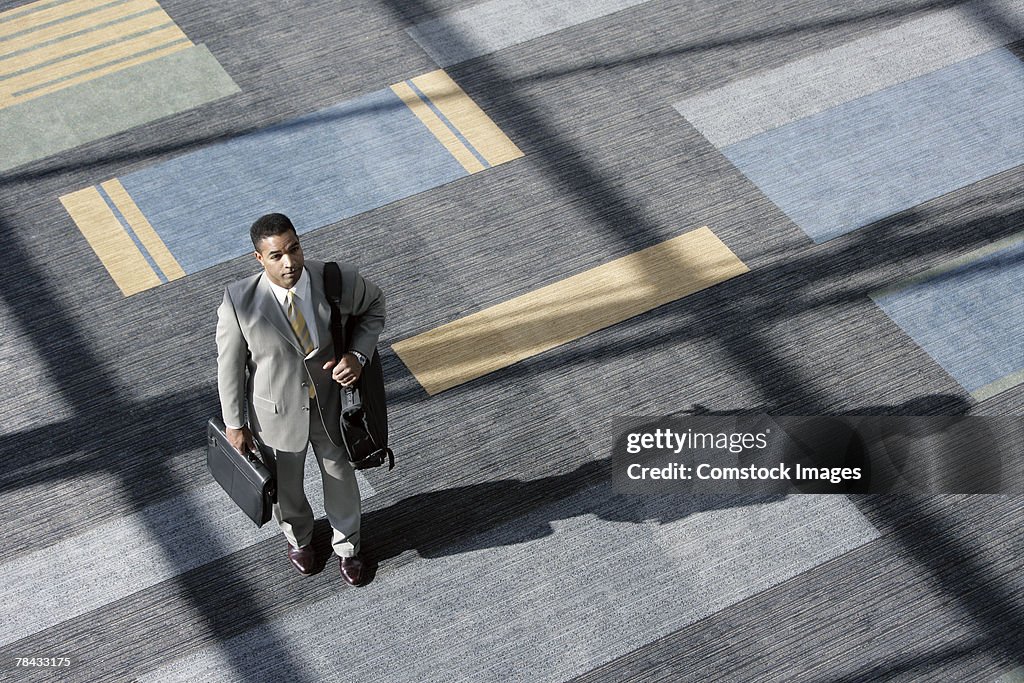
(352, 570)
(303, 558)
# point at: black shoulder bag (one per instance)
(364, 410)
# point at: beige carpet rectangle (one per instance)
(564, 311)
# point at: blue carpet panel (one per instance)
(819, 81)
(840, 143)
(968, 315)
(193, 212)
(76, 71)
(529, 305)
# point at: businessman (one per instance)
(279, 385)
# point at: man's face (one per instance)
(281, 256)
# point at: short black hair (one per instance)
(269, 225)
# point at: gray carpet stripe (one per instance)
(123, 556)
(812, 84)
(597, 585)
(98, 426)
(496, 24)
(924, 602)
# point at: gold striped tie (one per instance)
(301, 331)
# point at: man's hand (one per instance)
(346, 370)
(241, 439)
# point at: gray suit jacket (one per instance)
(262, 374)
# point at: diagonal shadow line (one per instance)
(55, 336)
(948, 551)
(867, 18)
(983, 599)
(993, 14)
(738, 306)
(606, 203)
(460, 514)
(598, 193)
(461, 519)
(581, 185)
(56, 167)
(76, 445)
(921, 664)
(604, 199)
(729, 312)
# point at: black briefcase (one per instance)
(244, 477)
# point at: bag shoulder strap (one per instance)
(334, 290)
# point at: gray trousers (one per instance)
(341, 492)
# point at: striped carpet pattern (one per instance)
(52, 46)
(102, 66)
(881, 145)
(153, 226)
(577, 211)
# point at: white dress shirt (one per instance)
(304, 300)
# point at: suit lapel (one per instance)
(270, 309)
